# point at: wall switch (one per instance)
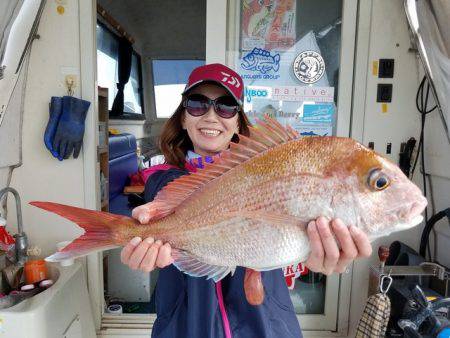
(386, 68)
(389, 148)
(384, 92)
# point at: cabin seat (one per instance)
(122, 163)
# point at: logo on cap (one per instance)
(230, 80)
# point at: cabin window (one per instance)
(169, 80)
(107, 73)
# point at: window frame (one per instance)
(128, 116)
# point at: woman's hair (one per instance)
(174, 141)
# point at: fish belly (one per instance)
(250, 243)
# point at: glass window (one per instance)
(288, 54)
(169, 79)
(107, 73)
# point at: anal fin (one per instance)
(192, 266)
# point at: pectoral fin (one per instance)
(192, 266)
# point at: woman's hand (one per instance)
(145, 254)
(324, 236)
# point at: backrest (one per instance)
(122, 162)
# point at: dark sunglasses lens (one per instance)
(197, 105)
(227, 107)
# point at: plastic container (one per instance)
(35, 271)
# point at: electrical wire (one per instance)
(422, 96)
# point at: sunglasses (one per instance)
(197, 105)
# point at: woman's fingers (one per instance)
(139, 253)
(128, 249)
(329, 245)
(361, 241)
(141, 213)
(149, 260)
(348, 248)
(164, 256)
(315, 259)
(146, 254)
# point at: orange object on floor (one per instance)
(35, 271)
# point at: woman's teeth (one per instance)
(210, 132)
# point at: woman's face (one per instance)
(210, 133)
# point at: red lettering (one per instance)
(289, 270)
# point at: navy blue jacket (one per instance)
(187, 307)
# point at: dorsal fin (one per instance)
(263, 136)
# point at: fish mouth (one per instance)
(398, 227)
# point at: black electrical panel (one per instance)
(386, 68)
(384, 92)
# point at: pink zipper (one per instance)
(226, 323)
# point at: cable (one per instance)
(422, 97)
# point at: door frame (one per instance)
(216, 49)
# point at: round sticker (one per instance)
(309, 67)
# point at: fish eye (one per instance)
(377, 180)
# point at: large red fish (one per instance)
(250, 208)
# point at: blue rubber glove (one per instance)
(55, 111)
(70, 131)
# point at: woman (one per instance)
(208, 118)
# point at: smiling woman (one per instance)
(210, 133)
(183, 128)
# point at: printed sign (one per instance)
(309, 67)
(268, 24)
(303, 93)
(318, 113)
(256, 92)
(260, 60)
(292, 272)
(313, 130)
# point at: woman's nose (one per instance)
(211, 114)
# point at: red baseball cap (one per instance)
(220, 74)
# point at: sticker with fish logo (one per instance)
(309, 67)
(260, 60)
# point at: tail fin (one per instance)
(98, 227)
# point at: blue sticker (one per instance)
(257, 92)
(318, 113)
(260, 60)
(311, 133)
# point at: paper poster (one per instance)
(268, 24)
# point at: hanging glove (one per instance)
(70, 131)
(55, 112)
